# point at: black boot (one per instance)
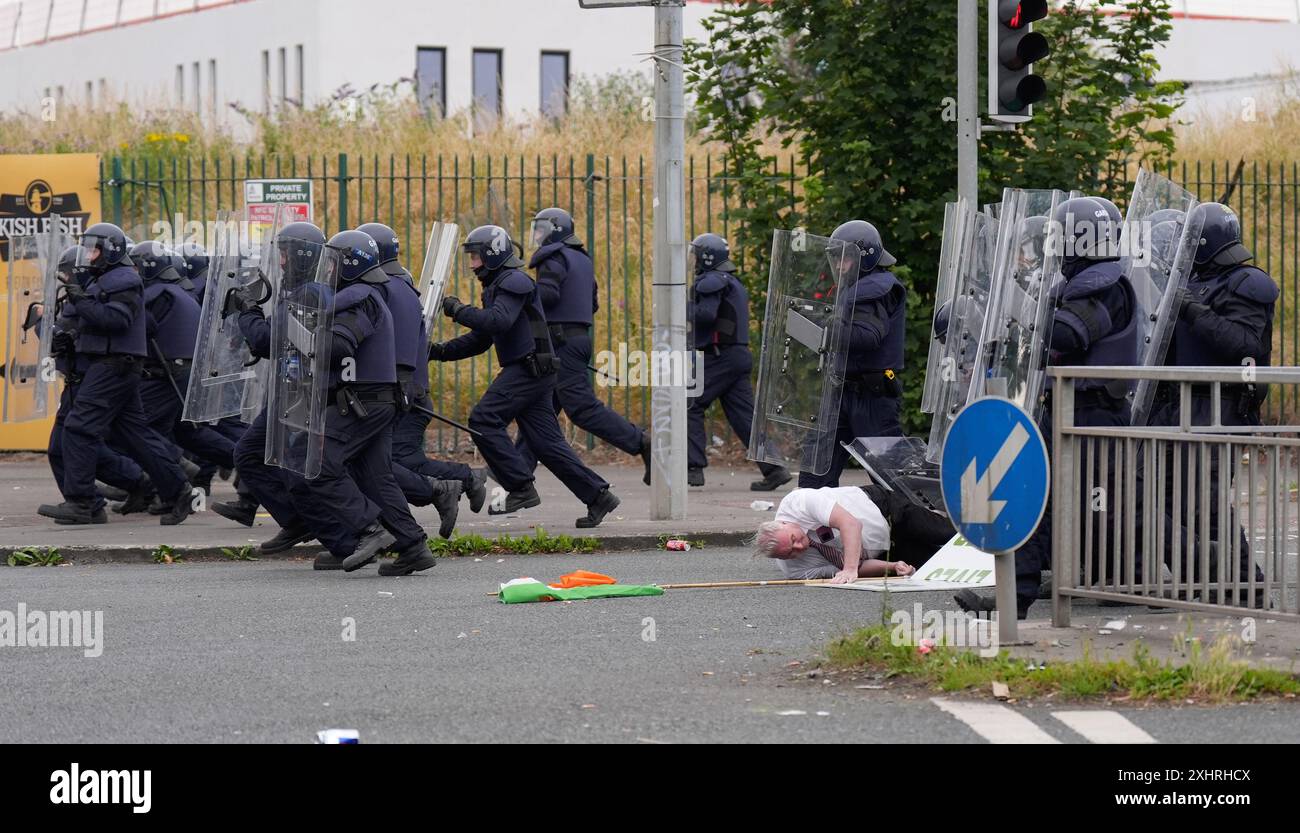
(112, 493)
(972, 602)
(374, 540)
(771, 481)
(645, 456)
(476, 489)
(287, 539)
(182, 507)
(604, 503)
(694, 477)
(158, 507)
(327, 561)
(138, 500)
(446, 499)
(74, 512)
(203, 480)
(190, 468)
(524, 498)
(242, 511)
(411, 560)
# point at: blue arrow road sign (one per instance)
(994, 473)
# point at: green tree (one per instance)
(864, 92)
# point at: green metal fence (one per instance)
(611, 199)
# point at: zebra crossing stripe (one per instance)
(996, 724)
(1104, 727)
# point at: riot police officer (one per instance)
(403, 301)
(104, 306)
(298, 246)
(195, 261)
(872, 388)
(1095, 322)
(1225, 319)
(720, 308)
(511, 319)
(354, 505)
(566, 282)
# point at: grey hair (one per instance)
(764, 543)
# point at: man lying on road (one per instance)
(844, 533)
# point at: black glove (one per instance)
(435, 351)
(74, 291)
(63, 343)
(235, 303)
(451, 306)
(1186, 306)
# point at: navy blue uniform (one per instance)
(1095, 323)
(512, 320)
(1226, 322)
(110, 326)
(566, 284)
(720, 309)
(872, 391)
(356, 486)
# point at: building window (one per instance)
(266, 81)
(487, 88)
(431, 79)
(300, 76)
(555, 84)
(180, 85)
(196, 84)
(212, 86)
(90, 94)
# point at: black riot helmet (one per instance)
(1033, 239)
(712, 253)
(390, 247)
(1220, 235)
(864, 235)
(154, 262)
(1084, 229)
(300, 246)
(68, 263)
(358, 257)
(942, 319)
(103, 246)
(195, 257)
(494, 248)
(554, 225)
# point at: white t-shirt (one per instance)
(811, 509)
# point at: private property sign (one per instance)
(262, 196)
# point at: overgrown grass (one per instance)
(1202, 675)
(35, 557)
(244, 553)
(540, 542)
(166, 554)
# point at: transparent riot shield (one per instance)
(959, 323)
(900, 464)
(302, 316)
(223, 366)
(956, 217)
(439, 257)
(1012, 360)
(804, 348)
(1157, 247)
(24, 311)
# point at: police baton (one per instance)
(453, 423)
(158, 353)
(611, 376)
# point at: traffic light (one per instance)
(1013, 47)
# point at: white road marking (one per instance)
(996, 724)
(1104, 727)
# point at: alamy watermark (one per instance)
(928, 629)
(24, 628)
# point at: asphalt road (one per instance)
(226, 652)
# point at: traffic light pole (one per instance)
(668, 396)
(968, 102)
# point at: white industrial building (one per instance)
(504, 56)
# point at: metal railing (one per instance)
(1191, 512)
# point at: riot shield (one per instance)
(1012, 360)
(439, 257)
(956, 216)
(223, 366)
(24, 312)
(900, 464)
(302, 316)
(1158, 244)
(959, 322)
(804, 349)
